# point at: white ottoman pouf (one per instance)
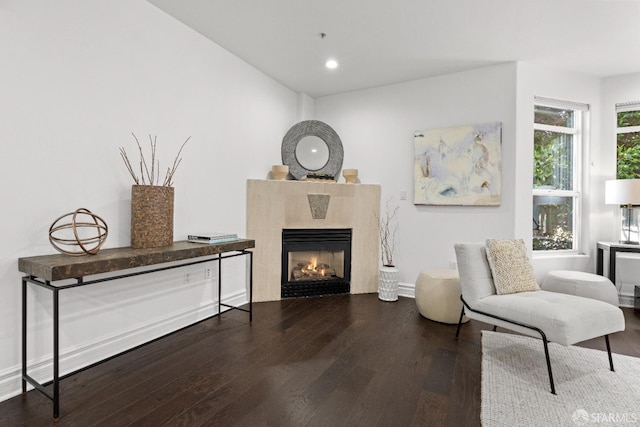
(581, 284)
(438, 296)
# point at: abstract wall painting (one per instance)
(458, 165)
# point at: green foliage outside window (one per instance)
(543, 156)
(628, 146)
(628, 118)
(628, 160)
(551, 166)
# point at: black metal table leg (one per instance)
(219, 284)
(56, 354)
(612, 265)
(250, 286)
(599, 261)
(24, 335)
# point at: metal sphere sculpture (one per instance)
(88, 233)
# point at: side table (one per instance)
(613, 249)
(44, 271)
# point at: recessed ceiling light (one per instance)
(331, 64)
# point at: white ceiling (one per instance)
(380, 42)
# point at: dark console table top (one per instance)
(60, 267)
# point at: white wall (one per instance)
(77, 78)
(376, 127)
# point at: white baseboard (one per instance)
(86, 354)
(407, 290)
(626, 300)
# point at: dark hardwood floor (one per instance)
(331, 361)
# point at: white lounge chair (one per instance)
(556, 317)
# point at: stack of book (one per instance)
(212, 238)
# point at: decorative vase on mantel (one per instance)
(151, 216)
(388, 283)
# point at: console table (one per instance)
(613, 249)
(44, 270)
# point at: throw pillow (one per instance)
(510, 266)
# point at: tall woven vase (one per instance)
(151, 216)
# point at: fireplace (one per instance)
(315, 262)
(273, 206)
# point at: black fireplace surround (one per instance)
(315, 262)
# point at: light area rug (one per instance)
(516, 391)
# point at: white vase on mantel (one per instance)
(388, 284)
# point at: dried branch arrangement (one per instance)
(151, 176)
(388, 231)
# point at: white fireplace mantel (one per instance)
(275, 205)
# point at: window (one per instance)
(628, 140)
(628, 161)
(557, 141)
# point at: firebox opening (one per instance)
(316, 265)
(315, 262)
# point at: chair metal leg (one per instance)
(606, 339)
(460, 321)
(546, 353)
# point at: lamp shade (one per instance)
(622, 192)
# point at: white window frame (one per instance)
(580, 116)
(623, 108)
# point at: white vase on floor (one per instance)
(388, 284)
